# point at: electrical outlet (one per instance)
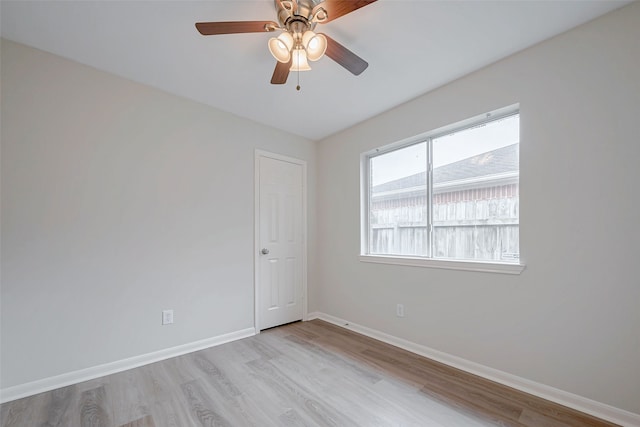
(400, 310)
(167, 317)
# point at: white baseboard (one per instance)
(28, 389)
(582, 404)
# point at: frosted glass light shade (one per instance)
(280, 47)
(299, 60)
(315, 44)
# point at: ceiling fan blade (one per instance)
(345, 57)
(337, 8)
(281, 73)
(235, 27)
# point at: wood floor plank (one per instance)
(435, 380)
(473, 409)
(302, 374)
(58, 411)
(313, 405)
(95, 409)
(127, 394)
(357, 402)
(291, 418)
(425, 408)
(214, 375)
(535, 419)
(166, 404)
(24, 412)
(146, 421)
(202, 407)
(308, 364)
(156, 383)
(255, 397)
(265, 351)
(173, 411)
(232, 403)
(369, 375)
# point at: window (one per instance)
(452, 194)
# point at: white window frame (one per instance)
(428, 261)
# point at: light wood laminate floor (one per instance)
(302, 374)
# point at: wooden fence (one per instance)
(472, 230)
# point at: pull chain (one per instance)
(298, 53)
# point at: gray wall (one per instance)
(118, 201)
(571, 319)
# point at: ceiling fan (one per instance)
(298, 43)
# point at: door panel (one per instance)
(280, 281)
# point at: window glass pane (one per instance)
(475, 192)
(398, 202)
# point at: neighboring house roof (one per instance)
(410, 181)
(502, 160)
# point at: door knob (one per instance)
(265, 251)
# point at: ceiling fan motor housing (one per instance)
(296, 12)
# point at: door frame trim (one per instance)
(256, 228)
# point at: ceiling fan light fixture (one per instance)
(319, 14)
(299, 60)
(315, 45)
(280, 47)
(288, 5)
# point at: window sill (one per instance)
(486, 267)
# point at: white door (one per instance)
(280, 242)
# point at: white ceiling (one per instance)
(412, 47)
